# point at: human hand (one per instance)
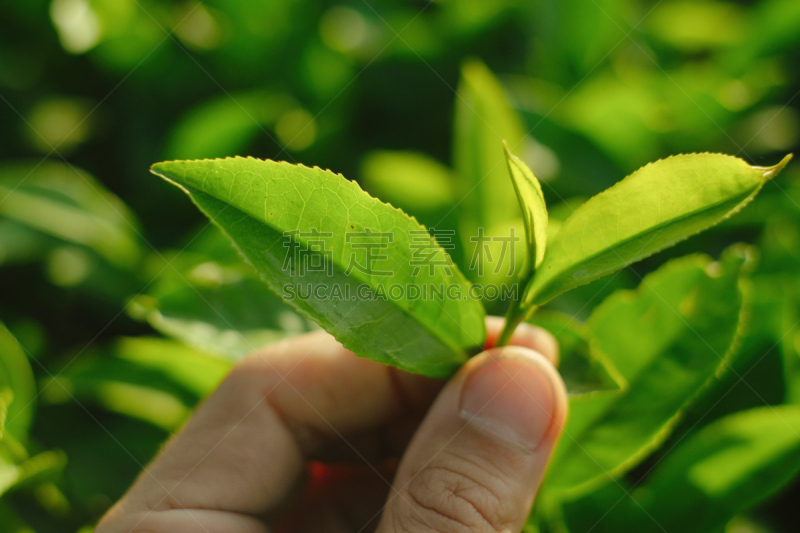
(304, 436)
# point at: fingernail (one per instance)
(511, 398)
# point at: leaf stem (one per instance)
(515, 315)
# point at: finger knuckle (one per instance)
(261, 371)
(457, 496)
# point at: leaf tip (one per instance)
(162, 171)
(771, 172)
(157, 169)
(511, 158)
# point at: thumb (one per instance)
(478, 458)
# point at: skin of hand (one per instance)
(303, 436)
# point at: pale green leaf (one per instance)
(667, 340)
(16, 377)
(534, 210)
(484, 118)
(614, 113)
(269, 208)
(653, 208)
(145, 403)
(411, 181)
(195, 371)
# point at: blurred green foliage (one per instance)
(97, 258)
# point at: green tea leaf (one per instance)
(16, 376)
(194, 371)
(230, 320)
(667, 340)
(123, 388)
(4, 394)
(68, 204)
(208, 299)
(95, 467)
(534, 210)
(715, 473)
(151, 379)
(270, 208)
(725, 468)
(653, 208)
(583, 368)
(37, 468)
(19, 243)
(698, 26)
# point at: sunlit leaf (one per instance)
(534, 210)
(725, 468)
(653, 208)
(411, 181)
(706, 479)
(269, 208)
